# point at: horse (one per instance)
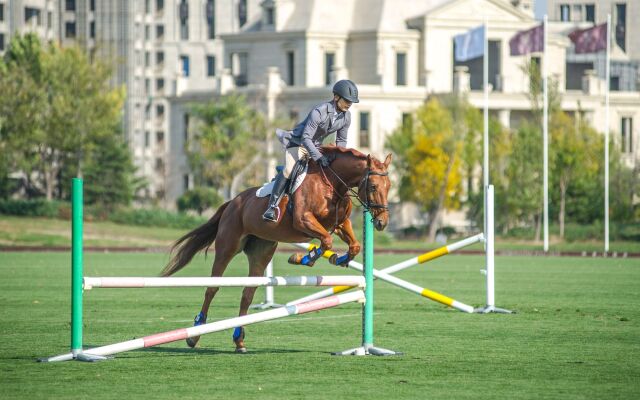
(321, 205)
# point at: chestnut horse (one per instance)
(321, 205)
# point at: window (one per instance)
(160, 85)
(184, 62)
(147, 32)
(147, 6)
(184, 18)
(210, 14)
(565, 13)
(614, 83)
(364, 129)
(159, 32)
(160, 138)
(211, 66)
(185, 123)
(147, 139)
(92, 29)
(269, 16)
(329, 61)
(185, 182)
(291, 68)
(240, 68)
(147, 109)
(159, 111)
(147, 59)
(626, 130)
(32, 16)
(1, 41)
(407, 122)
(70, 5)
(159, 58)
(242, 12)
(621, 25)
(401, 69)
(590, 13)
(159, 6)
(70, 30)
(147, 88)
(1, 12)
(92, 5)
(49, 19)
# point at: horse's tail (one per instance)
(200, 238)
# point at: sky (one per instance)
(540, 8)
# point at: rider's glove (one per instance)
(324, 161)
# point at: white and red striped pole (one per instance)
(184, 333)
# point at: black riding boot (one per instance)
(276, 194)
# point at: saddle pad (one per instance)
(266, 189)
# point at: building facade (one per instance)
(284, 55)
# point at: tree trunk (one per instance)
(433, 226)
(563, 197)
(538, 227)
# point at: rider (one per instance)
(306, 137)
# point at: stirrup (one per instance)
(276, 214)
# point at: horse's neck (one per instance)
(350, 169)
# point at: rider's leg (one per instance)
(292, 155)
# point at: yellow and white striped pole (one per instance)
(385, 275)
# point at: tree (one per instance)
(61, 107)
(199, 199)
(227, 137)
(432, 174)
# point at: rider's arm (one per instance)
(341, 135)
(309, 131)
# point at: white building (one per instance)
(286, 54)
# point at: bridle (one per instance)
(364, 182)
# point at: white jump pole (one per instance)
(150, 282)
(184, 333)
(269, 297)
(490, 252)
(430, 294)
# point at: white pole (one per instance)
(148, 282)
(184, 333)
(545, 140)
(485, 72)
(269, 298)
(606, 138)
(490, 250)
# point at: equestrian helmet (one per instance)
(347, 90)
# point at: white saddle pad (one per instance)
(266, 189)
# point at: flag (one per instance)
(469, 45)
(529, 41)
(590, 40)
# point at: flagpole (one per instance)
(545, 138)
(485, 165)
(606, 137)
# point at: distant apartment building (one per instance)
(284, 55)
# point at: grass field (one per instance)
(576, 334)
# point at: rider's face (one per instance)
(342, 104)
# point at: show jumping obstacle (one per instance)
(386, 273)
(99, 353)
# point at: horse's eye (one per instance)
(373, 188)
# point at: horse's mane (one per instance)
(335, 150)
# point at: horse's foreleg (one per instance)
(309, 224)
(245, 302)
(345, 232)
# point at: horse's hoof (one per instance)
(296, 259)
(241, 350)
(192, 342)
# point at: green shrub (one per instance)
(30, 208)
(199, 199)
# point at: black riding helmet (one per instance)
(347, 90)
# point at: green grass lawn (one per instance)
(575, 336)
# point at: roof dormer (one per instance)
(268, 15)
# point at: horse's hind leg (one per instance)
(259, 252)
(226, 247)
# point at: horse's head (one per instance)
(374, 189)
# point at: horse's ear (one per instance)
(368, 160)
(387, 160)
